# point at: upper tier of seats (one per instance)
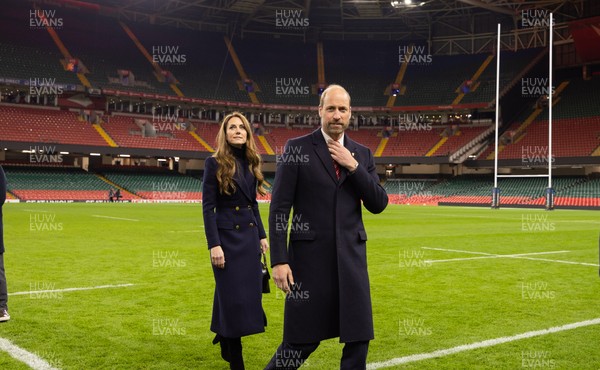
(575, 125)
(204, 68)
(511, 64)
(46, 126)
(124, 131)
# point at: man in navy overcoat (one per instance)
(325, 178)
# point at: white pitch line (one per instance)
(456, 250)
(495, 256)
(116, 218)
(187, 231)
(515, 256)
(73, 289)
(30, 359)
(477, 345)
(558, 261)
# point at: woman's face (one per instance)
(235, 132)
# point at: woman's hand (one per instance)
(264, 245)
(217, 258)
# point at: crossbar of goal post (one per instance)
(549, 190)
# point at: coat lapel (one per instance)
(323, 154)
(351, 146)
(241, 182)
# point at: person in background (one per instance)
(235, 235)
(4, 316)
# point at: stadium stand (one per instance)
(46, 125)
(58, 183)
(576, 126)
(288, 81)
(412, 143)
(371, 71)
(571, 191)
(126, 133)
(199, 61)
(513, 63)
(209, 71)
(26, 63)
(166, 186)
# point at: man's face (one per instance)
(335, 113)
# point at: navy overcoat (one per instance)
(233, 222)
(327, 239)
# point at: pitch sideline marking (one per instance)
(30, 359)
(116, 218)
(73, 289)
(515, 256)
(477, 345)
(187, 231)
(494, 256)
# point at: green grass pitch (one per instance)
(440, 278)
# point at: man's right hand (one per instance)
(282, 275)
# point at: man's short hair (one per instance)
(331, 87)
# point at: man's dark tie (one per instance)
(338, 172)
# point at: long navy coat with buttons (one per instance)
(233, 222)
(327, 241)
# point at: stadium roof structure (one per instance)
(338, 19)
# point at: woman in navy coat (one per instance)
(235, 235)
